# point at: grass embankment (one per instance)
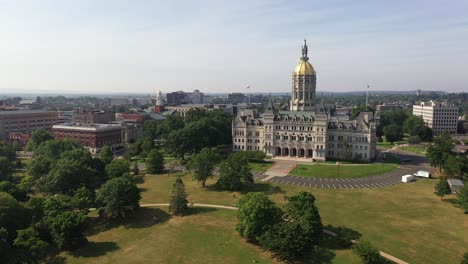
(341, 171)
(419, 150)
(406, 221)
(260, 166)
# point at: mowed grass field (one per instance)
(407, 221)
(260, 166)
(341, 171)
(420, 150)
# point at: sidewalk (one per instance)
(281, 168)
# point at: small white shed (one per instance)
(455, 185)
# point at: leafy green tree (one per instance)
(286, 240)
(179, 203)
(13, 190)
(256, 215)
(393, 133)
(5, 168)
(426, 134)
(151, 130)
(146, 146)
(65, 176)
(118, 197)
(118, 168)
(67, 229)
(55, 205)
(442, 188)
(106, 154)
(178, 143)
(234, 173)
(154, 162)
(8, 150)
(438, 152)
(37, 137)
(136, 170)
(203, 164)
(453, 165)
(83, 199)
(36, 206)
(31, 248)
(6, 251)
(464, 259)
(301, 210)
(462, 198)
(13, 216)
(413, 125)
(368, 253)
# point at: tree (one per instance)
(202, 164)
(65, 176)
(118, 197)
(426, 134)
(462, 198)
(146, 146)
(151, 130)
(368, 253)
(179, 202)
(413, 125)
(37, 137)
(31, 248)
(286, 240)
(4, 167)
(83, 199)
(106, 154)
(136, 170)
(255, 215)
(154, 162)
(118, 168)
(393, 133)
(48, 153)
(67, 229)
(234, 173)
(464, 259)
(178, 143)
(13, 190)
(438, 152)
(442, 188)
(13, 216)
(301, 210)
(453, 165)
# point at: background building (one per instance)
(85, 116)
(91, 136)
(25, 121)
(438, 116)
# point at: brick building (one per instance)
(83, 116)
(25, 121)
(91, 136)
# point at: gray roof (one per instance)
(455, 182)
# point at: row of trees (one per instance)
(69, 182)
(394, 123)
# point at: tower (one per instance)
(159, 107)
(303, 84)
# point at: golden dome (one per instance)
(304, 68)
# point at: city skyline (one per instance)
(114, 46)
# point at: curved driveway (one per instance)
(413, 164)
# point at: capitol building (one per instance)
(308, 131)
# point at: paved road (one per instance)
(412, 164)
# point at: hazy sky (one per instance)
(223, 46)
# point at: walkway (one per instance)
(279, 174)
(328, 232)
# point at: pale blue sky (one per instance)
(223, 46)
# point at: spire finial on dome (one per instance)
(304, 51)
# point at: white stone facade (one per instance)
(440, 117)
(306, 132)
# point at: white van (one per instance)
(408, 178)
(424, 174)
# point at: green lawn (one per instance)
(405, 220)
(385, 145)
(341, 171)
(420, 150)
(260, 166)
(206, 236)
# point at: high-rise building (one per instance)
(25, 121)
(438, 116)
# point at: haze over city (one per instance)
(218, 46)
